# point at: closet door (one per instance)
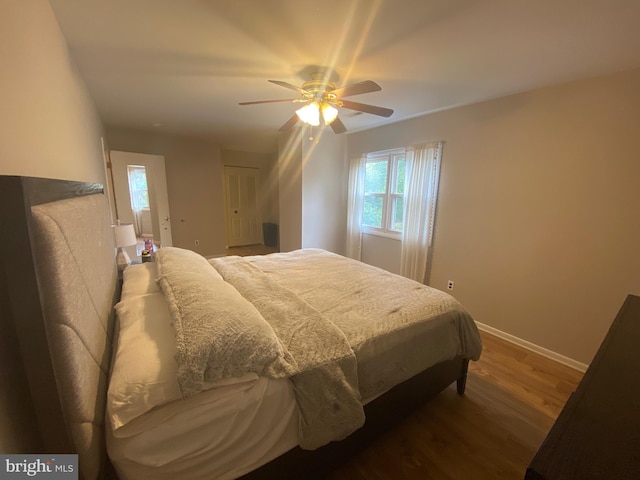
(242, 194)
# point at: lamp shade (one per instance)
(125, 235)
(310, 114)
(329, 113)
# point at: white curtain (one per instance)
(357, 165)
(136, 207)
(421, 192)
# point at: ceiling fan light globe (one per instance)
(310, 114)
(329, 113)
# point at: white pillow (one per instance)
(180, 259)
(144, 371)
(139, 279)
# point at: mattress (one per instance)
(222, 433)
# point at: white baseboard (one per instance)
(570, 362)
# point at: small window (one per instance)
(384, 192)
(138, 187)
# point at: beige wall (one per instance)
(537, 219)
(290, 185)
(313, 191)
(324, 192)
(194, 184)
(383, 252)
(48, 128)
(49, 125)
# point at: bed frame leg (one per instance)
(461, 383)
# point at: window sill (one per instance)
(382, 233)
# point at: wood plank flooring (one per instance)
(492, 432)
(245, 250)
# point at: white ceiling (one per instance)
(185, 64)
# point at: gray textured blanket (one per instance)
(221, 333)
(395, 326)
(326, 380)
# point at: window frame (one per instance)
(392, 157)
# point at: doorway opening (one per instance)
(141, 207)
(140, 191)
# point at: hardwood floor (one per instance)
(512, 399)
(246, 250)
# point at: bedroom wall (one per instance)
(49, 128)
(313, 197)
(537, 219)
(53, 129)
(194, 184)
(290, 185)
(324, 192)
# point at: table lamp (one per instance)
(125, 237)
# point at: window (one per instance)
(139, 192)
(383, 209)
(138, 187)
(393, 193)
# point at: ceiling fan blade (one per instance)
(268, 101)
(367, 86)
(363, 107)
(289, 86)
(289, 124)
(337, 126)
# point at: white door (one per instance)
(243, 216)
(157, 185)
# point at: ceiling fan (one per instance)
(322, 100)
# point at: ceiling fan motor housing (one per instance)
(320, 91)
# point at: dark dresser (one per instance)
(597, 435)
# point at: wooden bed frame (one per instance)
(37, 261)
(382, 414)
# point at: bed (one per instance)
(168, 396)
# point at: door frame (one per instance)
(158, 194)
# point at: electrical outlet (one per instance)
(197, 243)
(450, 285)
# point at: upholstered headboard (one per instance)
(73, 255)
